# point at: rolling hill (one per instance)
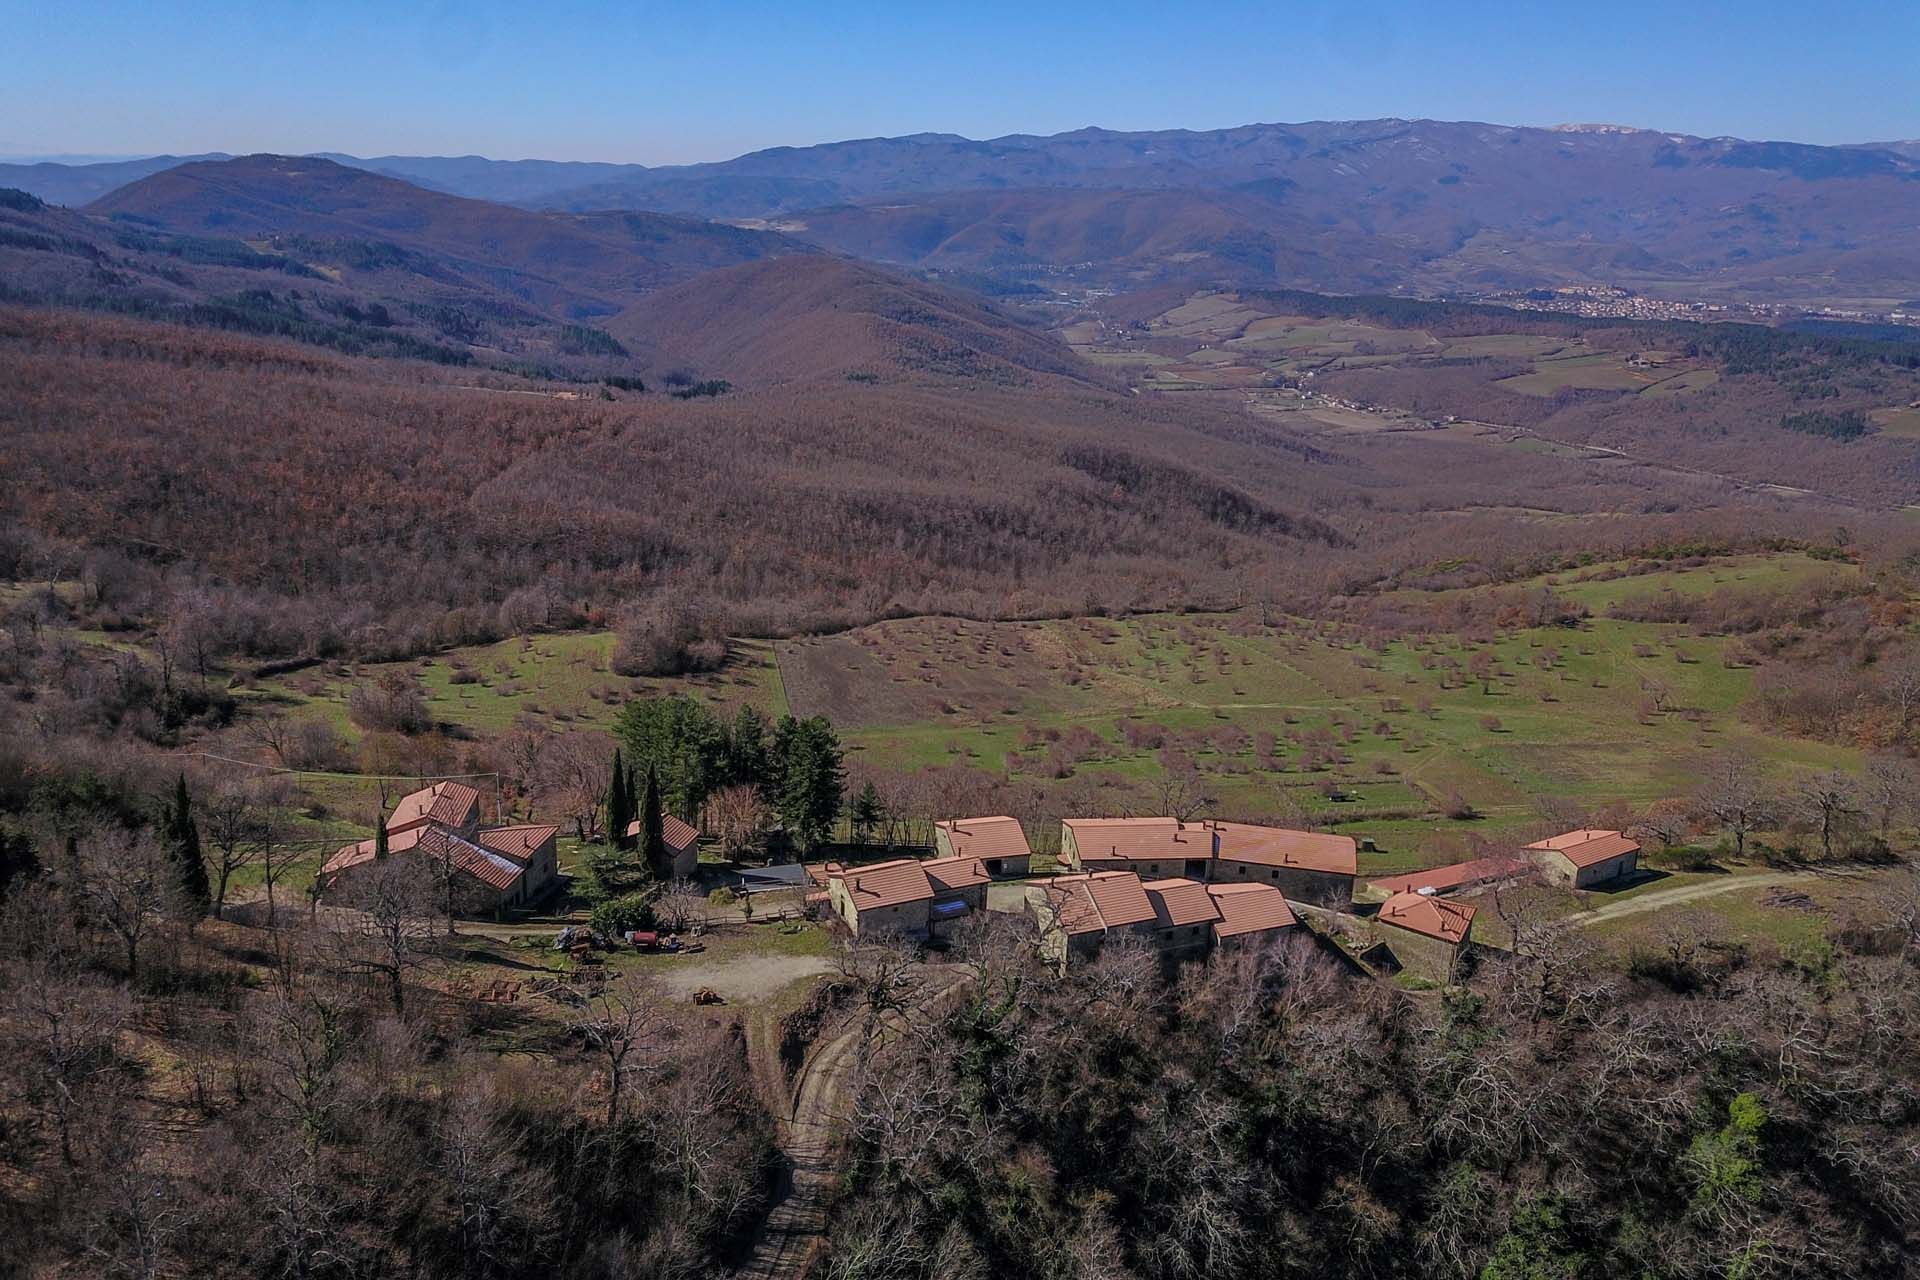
(583, 265)
(799, 319)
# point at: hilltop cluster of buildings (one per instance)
(1192, 887)
(1186, 888)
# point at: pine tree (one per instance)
(183, 849)
(653, 833)
(867, 813)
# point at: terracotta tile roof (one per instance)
(1440, 918)
(482, 864)
(1099, 900)
(1178, 902)
(950, 875)
(1250, 908)
(679, 836)
(1139, 839)
(354, 854)
(1280, 847)
(887, 884)
(1455, 875)
(486, 865)
(452, 804)
(999, 837)
(1163, 839)
(519, 842)
(1587, 846)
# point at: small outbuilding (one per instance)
(1425, 932)
(1586, 858)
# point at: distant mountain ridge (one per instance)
(1422, 205)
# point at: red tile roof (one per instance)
(999, 837)
(482, 864)
(1455, 875)
(354, 854)
(1139, 839)
(1164, 839)
(887, 884)
(950, 875)
(679, 836)
(1423, 913)
(489, 866)
(1099, 900)
(517, 842)
(1250, 908)
(1281, 847)
(452, 804)
(1587, 846)
(1180, 902)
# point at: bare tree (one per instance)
(124, 881)
(880, 966)
(233, 825)
(1179, 791)
(739, 818)
(681, 908)
(385, 935)
(65, 1026)
(1735, 800)
(574, 772)
(1888, 788)
(492, 1197)
(1829, 801)
(275, 731)
(299, 1042)
(624, 1026)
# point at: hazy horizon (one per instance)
(591, 81)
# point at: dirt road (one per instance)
(806, 1135)
(808, 1124)
(1660, 899)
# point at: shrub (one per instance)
(616, 916)
(668, 638)
(392, 703)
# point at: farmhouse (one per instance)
(1303, 865)
(1426, 933)
(907, 896)
(1249, 914)
(683, 844)
(1000, 843)
(1586, 857)
(494, 868)
(1078, 912)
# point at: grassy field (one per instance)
(558, 681)
(1901, 423)
(1281, 720)
(1561, 714)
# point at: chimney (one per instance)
(1216, 841)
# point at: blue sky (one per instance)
(667, 83)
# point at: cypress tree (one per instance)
(183, 847)
(653, 832)
(380, 842)
(619, 804)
